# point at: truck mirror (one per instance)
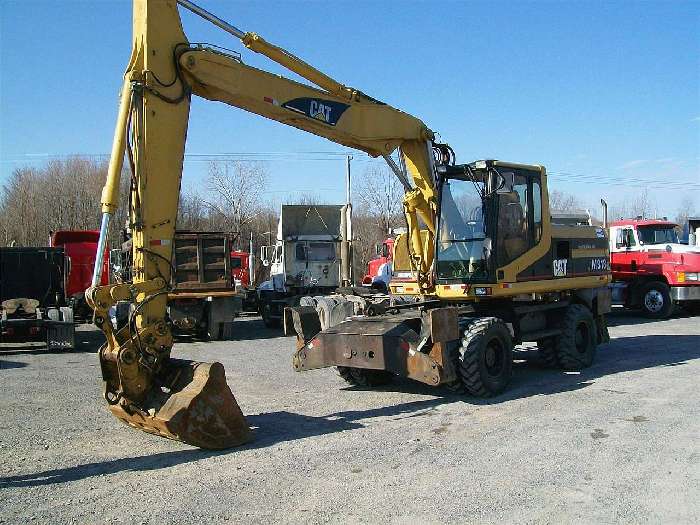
(377, 249)
(507, 182)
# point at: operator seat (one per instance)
(512, 227)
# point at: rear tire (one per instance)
(547, 350)
(576, 346)
(655, 299)
(364, 377)
(485, 358)
(268, 320)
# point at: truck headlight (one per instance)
(692, 276)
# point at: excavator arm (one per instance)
(144, 387)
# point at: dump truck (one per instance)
(203, 298)
(34, 303)
(305, 259)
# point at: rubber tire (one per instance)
(569, 357)
(471, 359)
(364, 377)
(667, 307)
(547, 350)
(268, 321)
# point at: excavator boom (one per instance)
(144, 387)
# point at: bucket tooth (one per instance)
(195, 406)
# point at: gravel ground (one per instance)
(619, 442)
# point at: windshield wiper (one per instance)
(471, 239)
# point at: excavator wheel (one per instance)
(548, 352)
(575, 347)
(363, 377)
(485, 360)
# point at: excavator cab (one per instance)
(490, 215)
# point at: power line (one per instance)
(334, 156)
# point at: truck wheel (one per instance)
(364, 377)
(575, 347)
(656, 300)
(485, 360)
(268, 320)
(547, 350)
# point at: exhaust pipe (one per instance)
(604, 205)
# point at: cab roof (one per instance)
(643, 222)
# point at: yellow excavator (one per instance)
(489, 267)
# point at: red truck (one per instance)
(242, 274)
(240, 270)
(80, 248)
(379, 268)
(651, 269)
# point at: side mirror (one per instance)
(377, 249)
(508, 182)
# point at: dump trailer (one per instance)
(304, 261)
(204, 300)
(32, 293)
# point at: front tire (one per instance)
(485, 357)
(655, 298)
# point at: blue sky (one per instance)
(605, 94)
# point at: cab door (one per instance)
(624, 250)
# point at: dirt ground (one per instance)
(618, 442)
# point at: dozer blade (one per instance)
(195, 405)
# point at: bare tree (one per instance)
(236, 191)
(308, 199)
(379, 209)
(562, 201)
(379, 195)
(62, 195)
(685, 209)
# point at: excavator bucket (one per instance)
(193, 404)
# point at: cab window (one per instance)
(513, 223)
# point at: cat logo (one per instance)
(559, 267)
(326, 111)
(319, 111)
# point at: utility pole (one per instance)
(346, 254)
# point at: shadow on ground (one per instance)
(78, 472)
(5, 365)
(86, 340)
(622, 354)
(246, 328)
(621, 317)
(530, 379)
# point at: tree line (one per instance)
(65, 195)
